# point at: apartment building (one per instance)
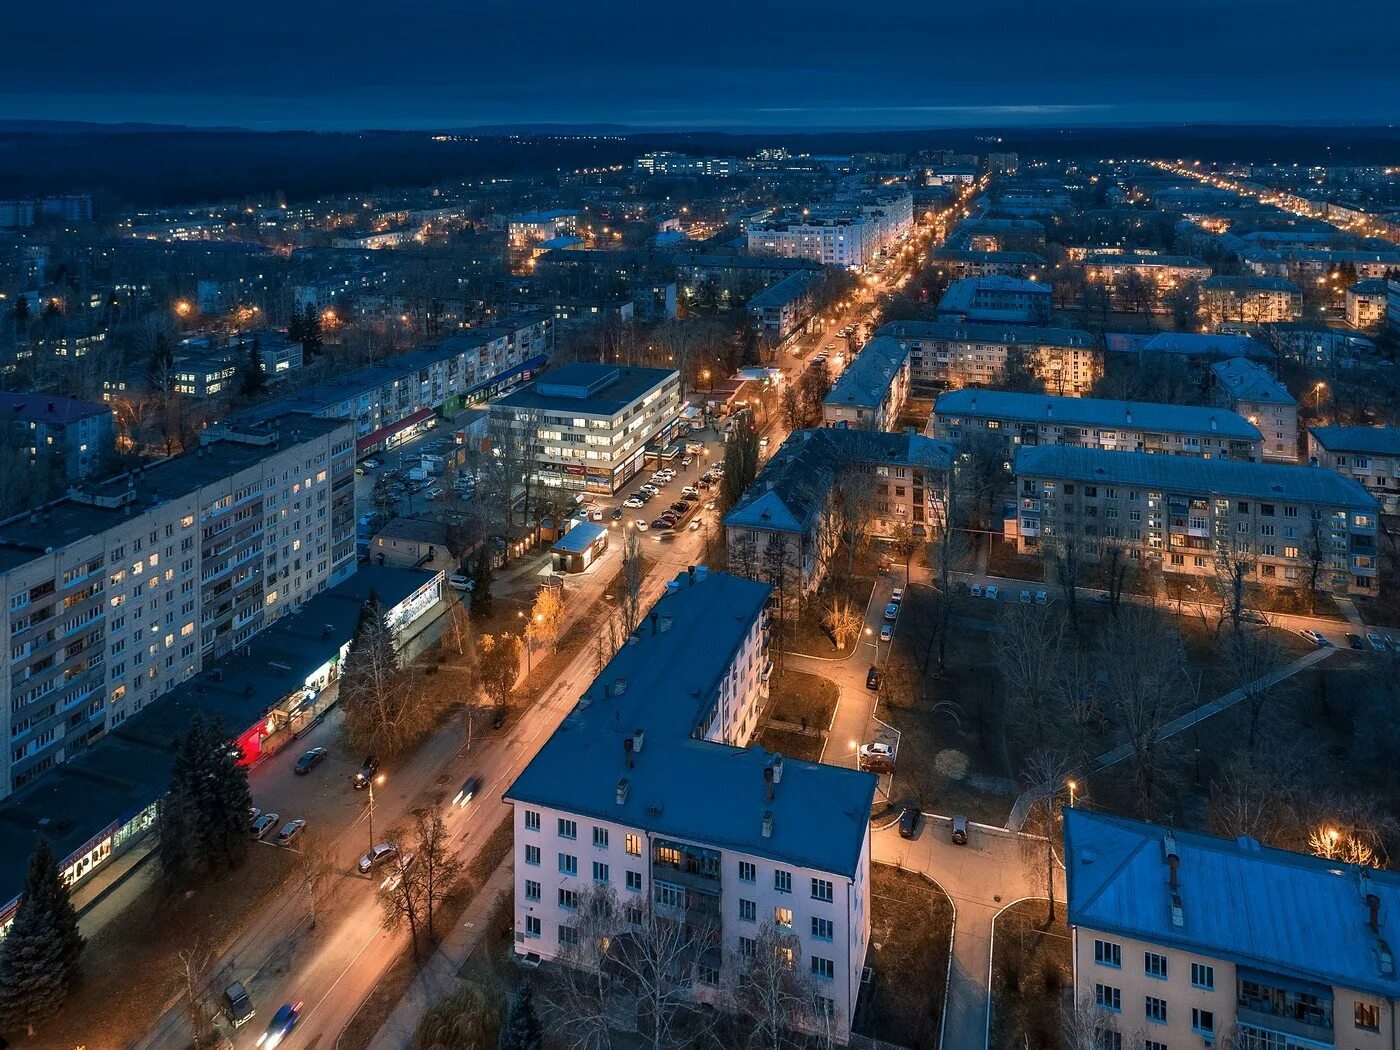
(952, 354)
(1184, 940)
(779, 312)
(1161, 271)
(872, 392)
(123, 589)
(1369, 455)
(63, 434)
(1366, 303)
(525, 231)
(1295, 526)
(901, 480)
(1030, 420)
(1250, 299)
(1251, 390)
(665, 162)
(996, 300)
(848, 231)
(998, 235)
(648, 790)
(587, 426)
(963, 263)
(393, 401)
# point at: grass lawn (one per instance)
(797, 745)
(802, 699)
(1032, 973)
(911, 926)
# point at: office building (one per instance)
(1028, 420)
(950, 354)
(1251, 390)
(648, 790)
(1250, 299)
(69, 437)
(1294, 526)
(587, 427)
(1368, 455)
(1187, 940)
(902, 478)
(125, 588)
(996, 300)
(1366, 303)
(873, 390)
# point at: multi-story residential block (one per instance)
(872, 392)
(1186, 940)
(587, 426)
(73, 438)
(665, 162)
(1294, 526)
(780, 311)
(1366, 303)
(1251, 390)
(123, 589)
(1028, 420)
(648, 792)
(996, 300)
(1250, 299)
(525, 231)
(848, 231)
(951, 354)
(1308, 264)
(735, 277)
(900, 480)
(1370, 455)
(1193, 352)
(393, 401)
(999, 235)
(1137, 281)
(961, 263)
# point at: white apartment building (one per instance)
(1183, 940)
(1251, 390)
(1369, 455)
(587, 426)
(526, 230)
(951, 354)
(1249, 299)
(648, 788)
(873, 390)
(1182, 515)
(849, 231)
(1366, 303)
(1029, 420)
(997, 299)
(125, 588)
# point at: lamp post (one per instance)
(372, 781)
(1071, 785)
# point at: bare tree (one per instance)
(743, 554)
(904, 543)
(384, 703)
(1029, 650)
(1255, 657)
(776, 570)
(1117, 568)
(770, 989)
(459, 626)
(1354, 829)
(1234, 563)
(315, 865)
(633, 575)
(844, 621)
(194, 970)
(1316, 552)
(402, 903)
(1045, 775)
(438, 867)
(1084, 1026)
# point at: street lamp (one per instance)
(1317, 394)
(1071, 785)
(372, 781)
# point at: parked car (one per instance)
(376, 856)
(661, 523)
(237, 1004)
(632, 502)
(1377, 645)
(310, 760)
(690, 490)
(1355, 641)
(263, 824)
(1025, 597)
(290, 830)
(975, 590)
(695, 524)
(909, 822)
(370, 463)
(1315, 637)
(365, 773)
(642, 526)
(1041, 598)
(897, 595)
(709, 504)
(960, 831)
(433, 493)
(617, 514)
(763, 441)
(886, 632)
(687, 460)
(892, 611)
(283, 1021)
(596, 514)
(992, 594)
(458, 582)
(872, 678)
(469, 790)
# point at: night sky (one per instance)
(718, 64)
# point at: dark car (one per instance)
(365, 773)
(959, 831)
(617, 514)
(1354, 640)
(237, 1004)
(680, 506)
(909, 822)
(310, 760)
(283, 1021)
(872, 678)
(471, 787)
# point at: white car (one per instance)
(763, 442)
(290, 830)
(886, 632)
(596, 514)
(642, 525)
(694, 525)
(632, 503)
(975, 590)
(458, 582)
(897, 595)
(709, 504)
(992, 593)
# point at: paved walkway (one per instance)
(438, 976)
(993, 870)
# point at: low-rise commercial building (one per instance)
(872, 392)
(586, 427)
(1190, 940)
(1029, 420)
(649, 793)
(951, 354)
(1250, 299)
(1293, 526)
(996, 300)
(1369, 455)
(1250, 389)
(1366, 303)
(65, 435)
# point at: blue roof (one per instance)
(983, 332)
(579, 538)
(1247, 380)
(1095, 412)
(666, 682)
(1289, 913)
(868, 378)
(1375, 441)
(1221, 477)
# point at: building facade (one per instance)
(873, 390)
(1293, 526)
(950, 354)
(73, 438)
(1366, 304)
(1251, 390)
(996, 300)
(1368, 455)
(1250, 300)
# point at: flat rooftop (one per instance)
(580, 386)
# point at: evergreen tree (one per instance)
(251, 378)
(481, 584)
(223, 801)
(177, 825)
(522, 1030)
(39, 956)
(306, 330)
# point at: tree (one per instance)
(1234, 563)
(401, 902)
(1045, 774)
(465, 1020)
(384, 709)
(740, 461)
(194, 969)
(437, 867)
(743, 554)
(315, 863)
(305, 329)
(633, 576)
(904, 543)
(1255, 658)
(251, 378)
(1029, 650)
(844, 621)
(522, 1028)
(776, 570)
(1086, 1026)
(498, 667)
(481, 584)
(771, 991)
(1018, 371)
(39, 956)
(547, 617)
(1064, 556)
(1316, 553)
(160, 365)
(203, 818)
(794, 414)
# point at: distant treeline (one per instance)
(180, 165)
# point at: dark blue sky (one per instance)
(720, 63)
